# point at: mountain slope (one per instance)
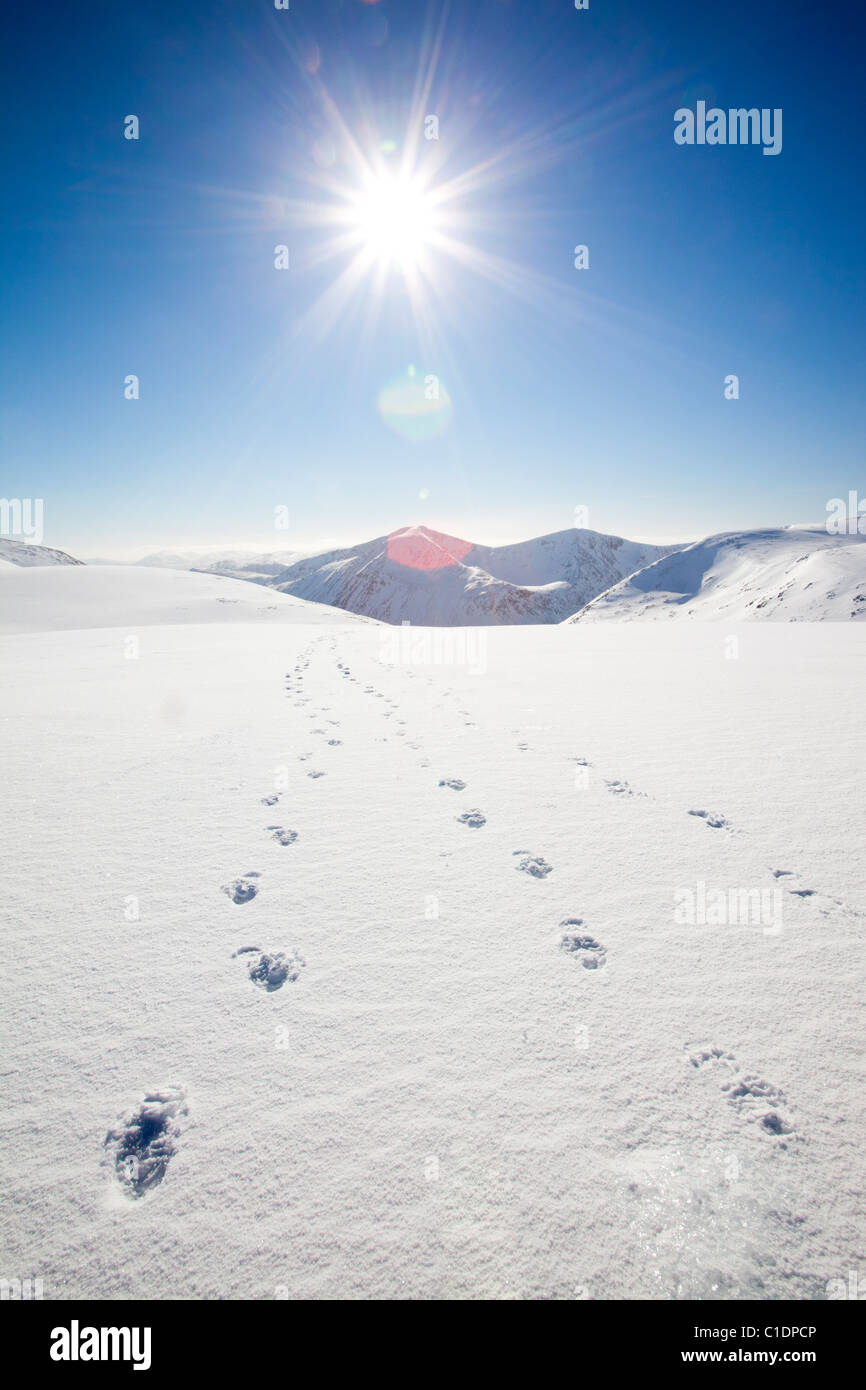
(24, 554)
(53, 598)
(423, 577)
(798, 574)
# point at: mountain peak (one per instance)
(420, 548)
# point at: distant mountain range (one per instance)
(237, 564)
(423, 577)
(420, 576)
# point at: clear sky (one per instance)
(265, 388)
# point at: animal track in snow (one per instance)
(334, 742)
(146, 1139)
(702, 1055)
(619, 788)
(270, 971)
(751, 1096)
(242, 890)
(586, 949)
(311, 773)
(283, 837)
(270, 800)
(455, 783)
(712, 819)
(532, 864)
(758, 1101)
(472, 818)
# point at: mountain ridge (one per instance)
(787, 574)
(418, 575)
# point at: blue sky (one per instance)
(600, 388)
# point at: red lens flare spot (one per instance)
(418, 548)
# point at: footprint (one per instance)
(702, 1055)
(270, 800)
(315, 774)
(242, 890)
(334, 742)
(283, 837)
(619, 788)
(586, 949)
(146, 1139)
(473, 818)
(758, 1101)
(454, 782)
(824, 903)
(532, 864)
(717, 822)
(271, 971)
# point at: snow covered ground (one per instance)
(457, 1036)
(53, 597)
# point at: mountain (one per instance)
(796, 574)
(427, 578)
(239, 564)
(24, 554)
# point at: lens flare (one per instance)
(415, 405)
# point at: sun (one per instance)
(395, 220)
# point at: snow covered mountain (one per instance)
(796, 574)
(423, 577)
(235, 564)
(23, 553)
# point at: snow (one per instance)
(26, 554)
(88, 596)
(422, 576)
(797, 574)
(238, 563)
(426, 1057)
